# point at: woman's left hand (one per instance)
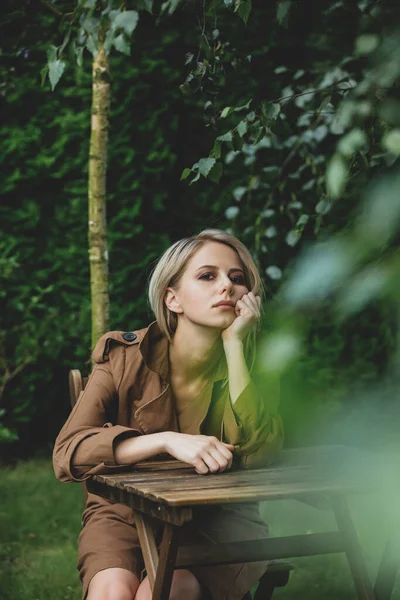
(247, 311)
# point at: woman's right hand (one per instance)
(207, 454)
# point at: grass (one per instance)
(40, 523)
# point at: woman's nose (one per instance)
(226, 284)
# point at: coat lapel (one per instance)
(158, 412)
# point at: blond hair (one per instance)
(171, 266)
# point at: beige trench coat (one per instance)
(129, 394)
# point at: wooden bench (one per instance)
(278, 572)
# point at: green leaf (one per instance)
(126, 20)
(243, 106)
(56, 69)
(267, 213)
(389, 111)
(121, 44)
(205, 165)
(79, 55)
(324, 103)
(308, 186)
(271, 172)
(352, 142)
(366, 43)
(43, 74)
(216, 151)
(232, 212)
(170, 6)
(92, 45)
(196, 178)
(278, 350)
(51, 54)
(380, 217)
(239, 192)
(109, 40)
(185, 174)
(270, 110)
(227, 111)
(292, 237)
(90, 25)
(273, 272)
(336, 176)
(320, 270)
(303, 220)
(363, 288)
(144, 5)
(281, 69)
(391, 141)
(216, 172)
(189, 57)
(323, 207)
(282, 12)
(237, 141)
(226, 137)
(65, 42)
(243, 9)
(242, 128)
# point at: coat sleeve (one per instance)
(85, 444)
(254, 426)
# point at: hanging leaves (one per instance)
(55, 65)
(126, 20)
(243, 9)
(336, 176)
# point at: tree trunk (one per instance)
(98, 253)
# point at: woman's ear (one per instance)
(171, 301)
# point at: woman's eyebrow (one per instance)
(215, 267)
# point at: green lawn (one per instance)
(40, 522)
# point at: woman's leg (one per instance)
(184, 586)
(113, 584)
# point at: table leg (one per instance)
(388, 569)
(352, 548)
(148, 545)
(166, 563)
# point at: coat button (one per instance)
(129, 337)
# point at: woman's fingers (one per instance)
(213, 462)
(216, 456)
(200, 466)
(251, 301)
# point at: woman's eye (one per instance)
(238, 280)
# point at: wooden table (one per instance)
(321, 476)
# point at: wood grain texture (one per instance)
(304, 474)
(148, 545)
(256, 550)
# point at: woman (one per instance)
(180, 386)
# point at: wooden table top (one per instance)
(299, 472)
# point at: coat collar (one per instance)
(154, 348)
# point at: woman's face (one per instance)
(214, 274)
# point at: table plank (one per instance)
(298, 473)
(263, 549)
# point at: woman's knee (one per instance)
(185, 586)
(113, 584)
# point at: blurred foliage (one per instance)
(297, 124)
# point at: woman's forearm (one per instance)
(136, 449)
(238, 373)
